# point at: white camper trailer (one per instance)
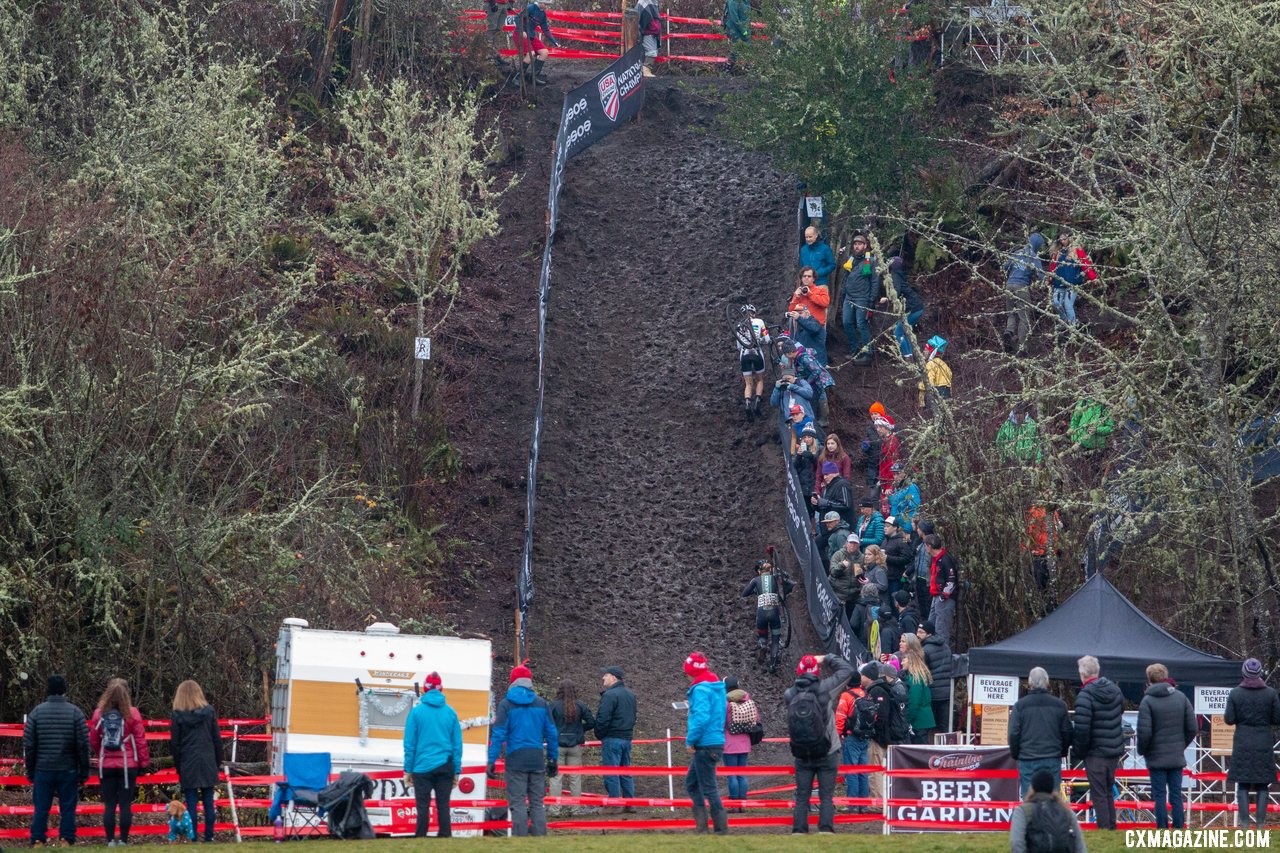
(348, 693)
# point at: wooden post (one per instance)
(326, 56)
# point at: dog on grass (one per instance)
(180, 825)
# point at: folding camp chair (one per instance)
(305, 774)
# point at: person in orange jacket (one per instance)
(807, 314)
(853, 749)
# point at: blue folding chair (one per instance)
(305, 774)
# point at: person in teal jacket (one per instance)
(705, 741)
(737, 27)
(432, 756)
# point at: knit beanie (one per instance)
(808, 666)
(432, 681)
(695, 664)
(870, 670)
(57, 685)
(877, 408)
(521, 671)
(1042, 782)
(1252, 668)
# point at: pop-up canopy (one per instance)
(1097, 620)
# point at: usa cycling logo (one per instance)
(610, 100)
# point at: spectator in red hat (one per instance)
(705, 742)
(815, 743)
(432, 756)
(523, 730)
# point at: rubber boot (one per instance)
(537, 72)
(720, 820)
(700, 819)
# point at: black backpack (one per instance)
(807, 724)
(898, 729)
(111, 725)
(862, 722)
(1050, 828)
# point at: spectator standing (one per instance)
(888, 630)
(918, 678)
(863, 622)
(923, 561)
(1023, 269)
(877, 572)
(870, 446)
(844, 570)
(899, 555)
(737, 26)
(836, 495)
(1091, 423)
(817, 255)
(573, 720)
(943, 574)
(1098, 736)
(908, 614)
(196, 745)
(790, 392)
(904, 500)
(1039, 732)
(804, 364)
(1254, 709)
(805, 462)
(833, 536)
(1067, 272)
(650, 30)
(1166, 727)
(937, 371)
(1043, 532)
(912, 303)
(705, 743)
(853, 747)
(432, 756)
(495, 20)
(870, 526)
(890, 725)
(737, 744)
(55, 750)
(522, 731)
(833, 451)
(861, 291)
(807, 312)
(530, 44)
(1045, 822)
(615, 723)
(937, 653)
(118, 739)
(890, 450)
(815, 741)
(1019, 440)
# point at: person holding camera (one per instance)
(807, 314)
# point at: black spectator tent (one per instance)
(1097, 620)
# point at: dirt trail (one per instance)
(655, 498)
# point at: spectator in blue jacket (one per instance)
(817, 254)
(523, 730)
(1023, 269)
(790, 391)
(432, 756)
(912, 303)
(705, 742)
(870, 526)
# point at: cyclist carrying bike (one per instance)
(752, 337)
(770, 586)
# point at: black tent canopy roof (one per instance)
(1097, 620)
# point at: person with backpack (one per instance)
(1254, 709)
(432, 756)
(196, 745)
(1023, 269)
(1098, 736)
(770, 588)
(752, 336)
(806, 365)
(650, 29)
(55, 751)
(705, 743)
(1039, 731)
(1067, 272)
(1166, 727)
(1044, 823)
(573, 720)
(742, 729)
(853, 747)
(118, 739)
(523, 731)
(815, 741)
(880, 719)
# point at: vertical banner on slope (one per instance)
(825, 610)
(590, 113)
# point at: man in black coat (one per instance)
(908, 614)
(1166, 727)
(55, 747)
(1039, 732)
(615, 721)
(836, 495)
(1098, 736)
(937, 654)
(899, 554)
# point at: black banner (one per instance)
(590, 113)
(968, 793)
(825, 610)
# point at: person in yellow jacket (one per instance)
(938, 371)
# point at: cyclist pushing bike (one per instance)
(770, 586)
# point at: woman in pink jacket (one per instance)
(118, 742)
(737, 747)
